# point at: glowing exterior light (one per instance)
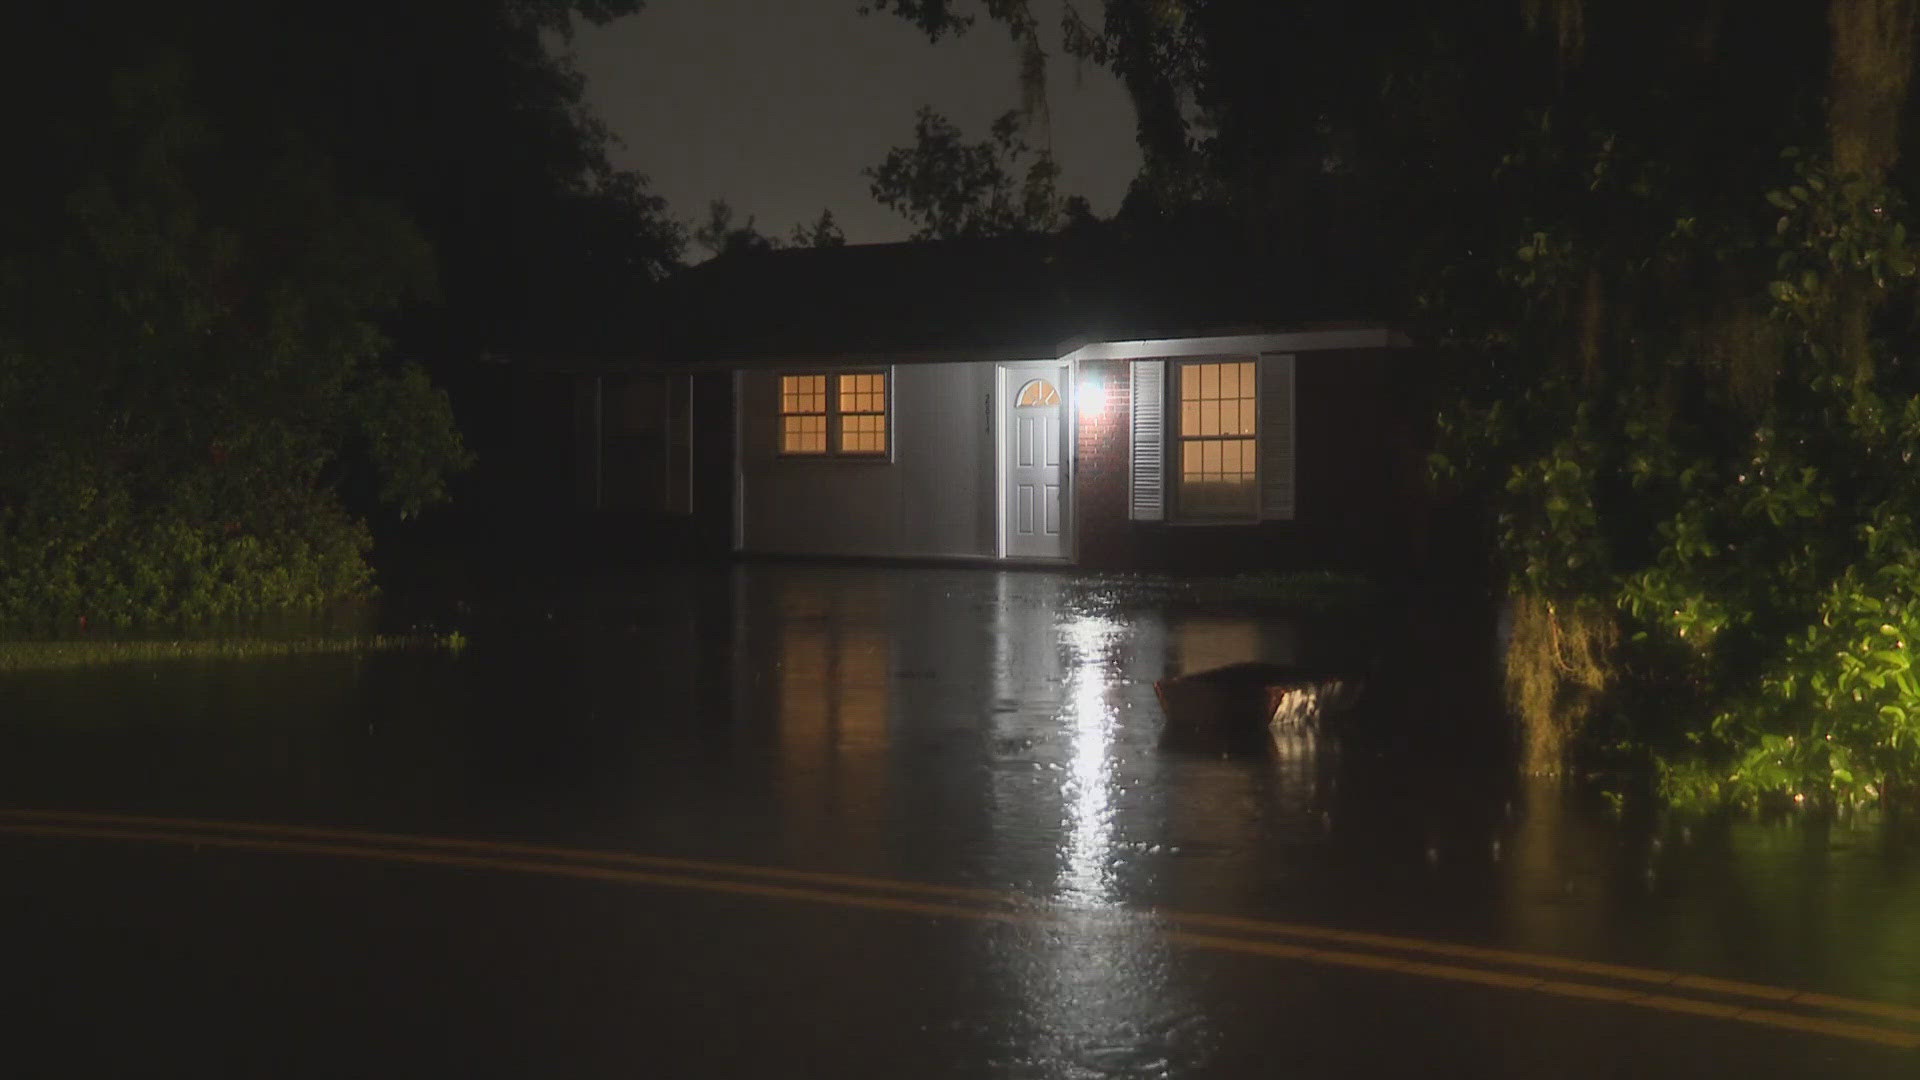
(1093, 395)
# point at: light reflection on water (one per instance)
(829, 651)
(1079, 808)
(1100, 991)
(1087, 842)
(994, 730)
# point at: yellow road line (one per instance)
(1677, 980)
(1901, 1040)
(518, 865)
(646, 870)
(1202, 920)
(504, 847)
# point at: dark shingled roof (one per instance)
(1004, 295)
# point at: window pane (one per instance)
(1217, 450)
(859, 406)
(803, 435)
(803, 407)
(1217, 477)
(863, 434)
(1038, 392)
(803, 394)
(1236, 496)
(863, 393)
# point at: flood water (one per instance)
(990, 729)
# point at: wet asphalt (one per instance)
(835, 821)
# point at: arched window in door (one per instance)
(1037, 392)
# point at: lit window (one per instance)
(1038, 392)
(1217, 456)
(863, 414)
(838, 414)
(803, 414)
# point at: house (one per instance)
(1035, 400)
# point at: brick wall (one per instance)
(1360, 479)
(1106, 536)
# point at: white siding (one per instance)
(935, 497)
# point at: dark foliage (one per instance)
(1659, 253)
(227, 225)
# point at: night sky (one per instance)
(776, 106)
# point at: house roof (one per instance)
(1004, 296)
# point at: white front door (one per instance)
(1036, 472)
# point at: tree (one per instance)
(950, 188)
(824, 232)
(1698, 430)
(721, 236)
(339, 185)
(1660, 253)
(189, 351)
(466, 116)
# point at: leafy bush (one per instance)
(1734, 480)
(188, 354)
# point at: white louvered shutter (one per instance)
(1147, 497)
(1276, 438)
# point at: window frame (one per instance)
(1176, 439)
(835, 418)
(1033, 380)
(781, 414)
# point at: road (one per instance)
(834, 822)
